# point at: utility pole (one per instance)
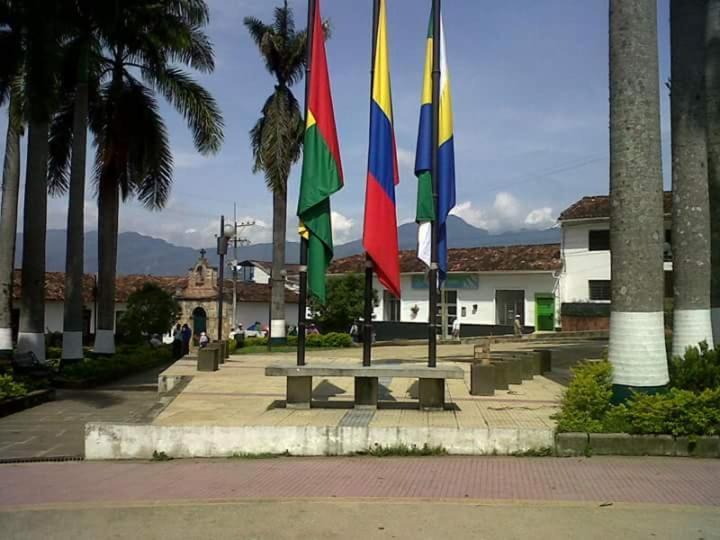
(237, 241)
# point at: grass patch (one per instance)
(403, 450)
(534, 452)
(160, 456)
(261, 455)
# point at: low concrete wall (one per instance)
(624, 444)
(135, 441)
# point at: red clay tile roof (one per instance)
(55, 286)
(598, 207)
(544, 257)
(126, 285)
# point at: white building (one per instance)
(486, 288)
(196, 293)
(585, 242)
(251, 271)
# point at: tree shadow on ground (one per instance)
(95, 398)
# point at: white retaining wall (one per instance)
(135, 441)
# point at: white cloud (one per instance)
(188, 160)
(406, 159)
(540, 218)
(507, 213)
(343, 228)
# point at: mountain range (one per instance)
(139, 254)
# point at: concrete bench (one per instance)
(431, 387)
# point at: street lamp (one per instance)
(226, 233)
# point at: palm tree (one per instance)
(637, 341)
(133, 156)
(691, 210)
(10, 61)
(276, 138)
(712, 84)
(83, 17)
(40, 21)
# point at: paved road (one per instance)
(57, 428)
(353, 519)
(360, 498)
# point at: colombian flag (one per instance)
(322, 171)
(446, 158)
(380, 237)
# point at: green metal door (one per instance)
(545, 312)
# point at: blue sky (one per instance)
(530, 95)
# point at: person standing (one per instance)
(456, 328)
(517, 327)
(177, 342)
(186, 334)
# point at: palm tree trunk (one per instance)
(32, 314)
(277, 303)
(73, 308)
(637, 341)
(691, 209)
(712, 85)
(109, 208)
(8, 226)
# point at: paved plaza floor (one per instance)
(56, 429)
(240, 394)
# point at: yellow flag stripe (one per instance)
(381, 82)
(427, 80)
(310, 120)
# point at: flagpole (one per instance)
(368, 311)
(433, 276)
(302, 300)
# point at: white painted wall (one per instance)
(260, 276)
(54, 314)
(249, 312)
(484, 296)
(581, 265)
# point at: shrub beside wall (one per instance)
(691, 407)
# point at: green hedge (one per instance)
(9, 388)
(126, 361)
(698, 370)
(584, 309)
(334, 340)
(680, 411)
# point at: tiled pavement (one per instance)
(668, 481)
(240, 394)
(57, 428)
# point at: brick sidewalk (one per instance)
(630, 480)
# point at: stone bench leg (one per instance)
(366, 392)
(482, 380)
(545, 360)
(432, 394)
(501, 381)
(299, 392)
(207, 360)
